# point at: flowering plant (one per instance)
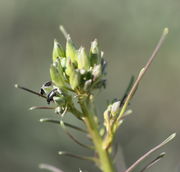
(75, 75)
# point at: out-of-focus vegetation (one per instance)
(127, 31)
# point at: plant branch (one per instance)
(157, 159)
(105, 161)
(65, 123)
(73, 138)
(76, 156)
(171, 137)
(41, 107)
(142, 72)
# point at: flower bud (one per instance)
(87, 84)
(71, 50)
(94, 53)
(83, 60)
(104, 65)
(115, 109)
(58, 51)
(97, 71)
(57, 77)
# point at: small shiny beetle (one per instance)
(45, 87)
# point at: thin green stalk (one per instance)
(142, 72)
(105, 161)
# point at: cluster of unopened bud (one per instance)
(74, 69)
(110, 115)
(111, 122)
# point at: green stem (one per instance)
(105, 161)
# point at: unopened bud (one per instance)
(83, 60)
(115, 108)
(94, 53)
(94, 47)
(87, 84)
(97, 71)
(71, 50)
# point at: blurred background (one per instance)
(128, 31)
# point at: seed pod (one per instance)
(71, 50)
(83, 60)
(58, 51)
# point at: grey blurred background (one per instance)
(128, 31)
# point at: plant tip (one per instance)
(32, 108)
(162, 154)
(42, 120)
(16, 86)
(173, 136)
(166, 30)
(61, 27)
(60, 153)
(64, 32)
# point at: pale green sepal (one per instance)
(69, 67)
(56, 77)
(74, 80)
